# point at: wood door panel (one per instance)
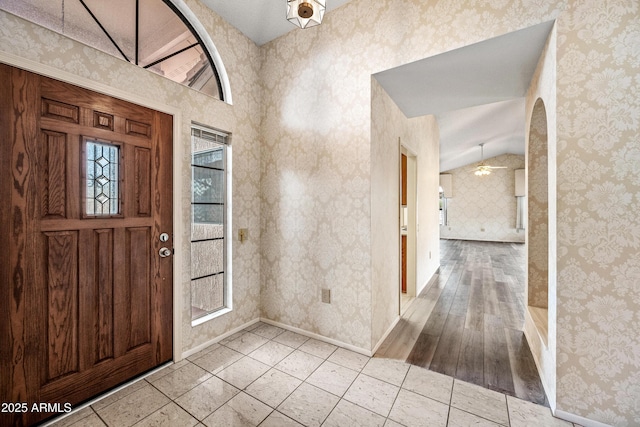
(135, 128)
(96, 297)
(103, 249)
(162, 207)
(61, 111)
(142, 166)
(58, 225)
(6, 303)
(86, 301)
(105, 375)
(61, 287)
(103, 121)
(92, 101)
(96, 132)
(53, 170)
(138, 248)
(21, 374)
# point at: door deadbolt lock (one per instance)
(164, 237)
(164, 252)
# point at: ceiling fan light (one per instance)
(305, 13)
(482, 169)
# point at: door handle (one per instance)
(164, 252)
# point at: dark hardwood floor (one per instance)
(468, 321)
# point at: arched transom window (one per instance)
(152, 34)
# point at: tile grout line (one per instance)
(99, 417)
(174, 400)
(339, 397)
(453, 385)
(404, 378)
(297, 387)
(274, 367)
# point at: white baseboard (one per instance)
(551, 394)
(386, 334)
(586, 422)
(318, 337)
(204, 345)
(283, 326)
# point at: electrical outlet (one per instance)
(326, 296)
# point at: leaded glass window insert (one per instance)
(102, 179)
(210, 283)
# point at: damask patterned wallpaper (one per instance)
(317, 105)
(538, 208)
(484, 207)
(390, 128)
(542, 91)
(302, 117)
(598, 113)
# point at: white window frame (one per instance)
(228, 288)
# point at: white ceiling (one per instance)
(493, 70)
(476, 92)
(501, 125)
(260, 20)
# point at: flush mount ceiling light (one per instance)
(305, 13)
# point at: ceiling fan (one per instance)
(483, 169)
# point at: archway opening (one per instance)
(538, 220)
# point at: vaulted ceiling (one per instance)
(260, 20)
(476, 92)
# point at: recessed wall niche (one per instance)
(538, 219)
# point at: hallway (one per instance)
(467, 323)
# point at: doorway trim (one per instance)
(412, 222)
(178, 152)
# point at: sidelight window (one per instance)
(210, 278)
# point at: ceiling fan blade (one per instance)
(496, 167)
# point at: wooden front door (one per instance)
(85, 193)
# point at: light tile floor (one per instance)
(266, 376)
